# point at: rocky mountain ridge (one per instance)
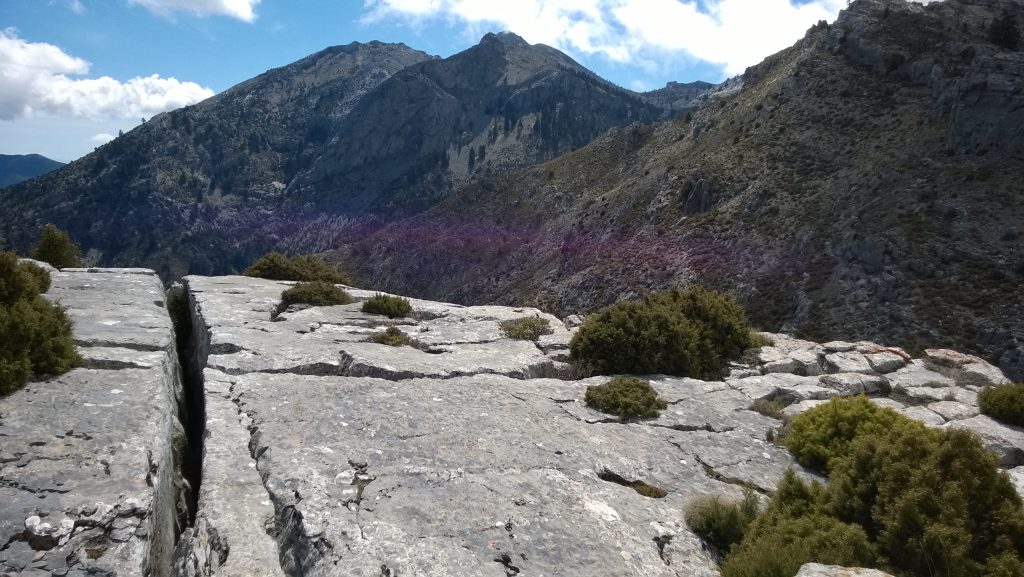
(320, 454)
(15, 168)
(862, 182)
(315, 152)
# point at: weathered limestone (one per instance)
(818, 570)
(449, 457)
(90, 461)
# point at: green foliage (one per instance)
(20, 281)
(316, 293)
(301, 267)
(777, 547)
(825, 432)
(1004, 403)
(35, 335)
(1004, 32)
(57, 249)
(923, 501)
(526, 328)
(392, 336)
(719, 522)
(686, 333)
(390, 306)
(626, 397)
(930, 499)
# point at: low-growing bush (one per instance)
(686, 333)
(780, 547)
(35, 335)
(626, 397)
(1003, 403)
(20, 281)
(720, 522)
(825, 432)
(392, 336)
(302, 267)
(915, 500)
(316, 293)
(56, 248)
(390, 306)
(526, 328)
(770, 408)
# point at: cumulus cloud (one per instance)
(731, 34)
(101, 138)
(34, 81)
(241, 9)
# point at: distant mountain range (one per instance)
(312, 153)
(865, 181)
(15, 168)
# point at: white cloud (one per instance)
(732, 34)
(101, 138)
(34, 81)
(240, 9)
(76, 6)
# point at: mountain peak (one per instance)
(506, 38)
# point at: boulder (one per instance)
(818, 570)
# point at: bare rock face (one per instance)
(819, 570)
(91, 461)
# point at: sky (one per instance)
(75, 72)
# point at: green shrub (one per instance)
(930, 498)
(35, 335)
(1004, 403)
(392, 336)
(316, 293)
(825, 432)
(929, 501)
(526, 328)
(305, 268)
(55, 247)
(685, 333)
(626, 397)
(20, 281)
(719, 522)
(390, 306)
(777, 547)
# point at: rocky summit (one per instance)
(286, 444)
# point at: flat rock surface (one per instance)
(87, 474)
(465, 454)
(455, 456)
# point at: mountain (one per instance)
(311, 154)
(681, 96)
(864, 182)
(15, 168)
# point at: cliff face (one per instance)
(864, 182)
(294, 447)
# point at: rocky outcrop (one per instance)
(469, 453)
(92, 461)
(465, 452)
(819, 570)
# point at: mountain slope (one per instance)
(864, 182)
(310, 154)
(15, 168)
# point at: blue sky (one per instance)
(74, 72)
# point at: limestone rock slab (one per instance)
(90, 460)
